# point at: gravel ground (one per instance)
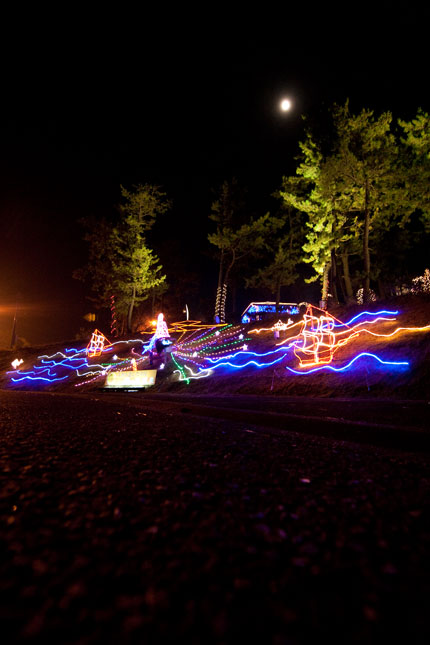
(124, 526)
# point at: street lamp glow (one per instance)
(285, 105)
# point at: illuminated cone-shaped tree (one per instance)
(162, 329)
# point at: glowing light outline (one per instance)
(345, 367)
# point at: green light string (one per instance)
(181, 370)
(219, 347)
(205, 338)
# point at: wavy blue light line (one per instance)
(244, 353)
(345, 367)
(38, 378)
(369, 313)
(239, 367)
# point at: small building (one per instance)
(257, 311)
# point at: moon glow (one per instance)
(285, 105)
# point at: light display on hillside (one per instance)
(97, 344)
(317, 342)
(258, 311)
(421, 284)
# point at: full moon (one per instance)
(285, 105)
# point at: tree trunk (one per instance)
(224, 289)
(381, 289)
(223, 298)
(366, 253)
(219, 290)
(347, 278)
(334, 277)
(130, 309)
(325, 285)
(234, 299)
(278, 295)
(113, 321)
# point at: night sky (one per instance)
(184, 101)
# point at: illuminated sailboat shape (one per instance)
(97, 344)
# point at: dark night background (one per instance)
(185, 101)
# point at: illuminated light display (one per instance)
(421, 284)
(242, 365)
(348, 365)
(17, 362)
(162, 330)
(393, 333)
(130, 379)
(279, 326)
(74, 363)
(313, 341)
(256, 311)
(181, 371)
(195, 376)
(38, 378)
(317, 341)
(97, 344)
(113, 324)
(221, 297)
(366, 313)
(360, 296)
(247, 353)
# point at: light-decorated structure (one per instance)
(316, 342)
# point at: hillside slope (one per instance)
(365, 377)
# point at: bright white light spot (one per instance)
(285, 105)
(16, 363)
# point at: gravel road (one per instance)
(124, 525)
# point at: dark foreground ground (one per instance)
(125, 525)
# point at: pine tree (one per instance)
(285, 255)
(417, 171)
(120, 262)
(237, 236)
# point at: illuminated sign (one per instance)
(130, 379)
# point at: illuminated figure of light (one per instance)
(162, 330)
(317, 341)
(207, 348)
(97, 344)
(348, 365)
(279, 326)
